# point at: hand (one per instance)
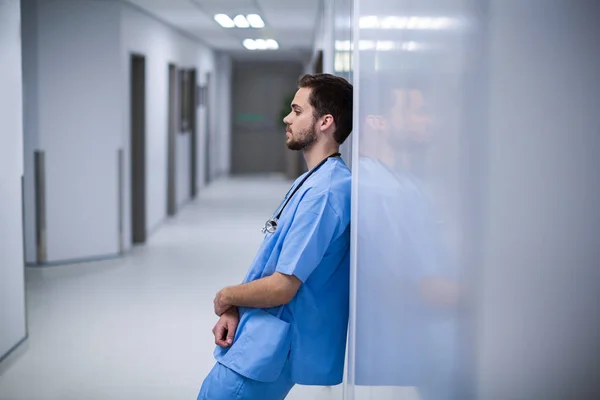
(225, 328)
(220, 303)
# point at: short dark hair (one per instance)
(331, 94)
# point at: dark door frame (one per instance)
(193, 101)
(138, 148)
(207, 124)
(171, 133)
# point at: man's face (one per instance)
(300, 132)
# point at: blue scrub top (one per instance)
(312, 242)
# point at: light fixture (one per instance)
(409, 46)
(385, 45)
(224, 21)
(241, 22)
(261, 44)
(255, 21)
(394, 23)
(425, 23)
(272, 44)
(408, 22)
(250, 44)
(368, 22)
(413, 22)
(442, 23)
(343, 45)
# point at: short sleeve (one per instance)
(313, 229)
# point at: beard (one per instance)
(303, 139)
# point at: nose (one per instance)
(286, 120)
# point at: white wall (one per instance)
(77, 108)
(29, 34)
(160, 45)
(539, 331)
(12, 296)
(76, 121)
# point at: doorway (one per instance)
(138, 149)
(207, 130)
(172, 128)
(193, 103)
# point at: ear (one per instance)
(326, 122)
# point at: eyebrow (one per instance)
(296, 106)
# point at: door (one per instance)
(207, 130)
(171, 132)
(138, 149)
(192, 101)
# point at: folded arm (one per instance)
(268, 292)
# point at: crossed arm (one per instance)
(268, 292)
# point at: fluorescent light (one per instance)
(409, 46)
(394, 23)
(241, 22)
(413, 22)
(272, 44)
(368, 22)
(385, 45)
(442, 23)
(250, 44)
(261, 44)
(366, 45)
(342, 45)
(224, 21)
(425, 23)
(255, 21)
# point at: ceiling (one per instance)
(291, 22)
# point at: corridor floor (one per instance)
(139, 327)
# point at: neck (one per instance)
(318, 152)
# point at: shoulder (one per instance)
(332, 188)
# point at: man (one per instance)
(286, 324)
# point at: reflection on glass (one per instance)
(406, 329)
(407, 286)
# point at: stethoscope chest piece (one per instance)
(270, 226)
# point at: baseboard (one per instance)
(83, 260)
(8, 359)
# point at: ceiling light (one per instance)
(224, 21)
(442, 23)
(425, 23)
(272, 44)
(255, 21)
(241, 22)
(394, 23)
(250, 44)
(385, 45)
(261, 44)
(413, 22)
(368, 22)
(409, 46)
(343, 45)
(366, 45)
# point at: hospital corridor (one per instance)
(301, 200)
(136, 327)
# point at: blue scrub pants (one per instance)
(225, 384)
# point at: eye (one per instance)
(297, 112)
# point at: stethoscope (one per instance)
(271, 224)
